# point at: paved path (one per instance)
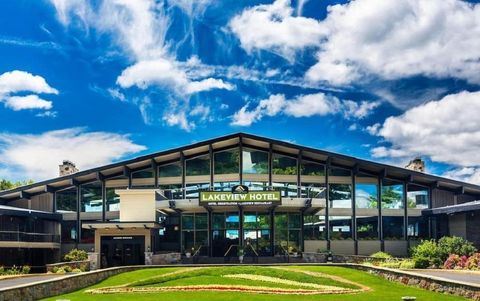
(473, 278)
(11, 282)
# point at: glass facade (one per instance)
(361, 206)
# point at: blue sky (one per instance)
(100, 81)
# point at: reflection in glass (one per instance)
(366, 196)
(340, 227)
(287, 189)
(227, 162)
(393, 227)
(417, 228)
(392, 195)
(170, 170)
(417, 197)
(254, 162)
(224, 186)
(192, 190)
(66, 200)
(91, 197)
(340, 196)
(313, 190)
(367, 227)
(312, 169)
(113, 199)
(199, 166)
(314, 227)
(283, 165)
(256, 186)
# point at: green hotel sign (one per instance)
(217, 198)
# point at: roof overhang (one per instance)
(124, 168)
(121, 225)
(453, 209)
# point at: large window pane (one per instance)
(417, 197)
(142, 174)
(67, 200)
(366, 195)
(199, 166)
(172, 191)
(367, 227)
(201, 221)
(256, 186)
(313, 190)
(113, 199)
(283, 165)
(340, 196)
(224, 186)
(417, 228)
(287, 189)
(227, 162)
(254, 162)
(392, 195)
(340, 227)
(91, 200)
(312, 169)
(170, 170)
(192, 190)
(314, 227)
(393, 227)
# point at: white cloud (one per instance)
(273, 27)
(408, 38)
(446, 130)
(465, 174)
(318, 104)
(18, 81)
(139, 28)
(166, 73)
(359, 110)
(18, 103)
(37, 156)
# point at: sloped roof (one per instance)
(123, 168)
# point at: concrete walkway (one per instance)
(12, 282)
(460, 276)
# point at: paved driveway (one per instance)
(6, 283)
(467, 277)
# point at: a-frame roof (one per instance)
(124, 168)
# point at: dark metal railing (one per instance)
(28, 237)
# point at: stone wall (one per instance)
(73, 264)
(322, 258)
(50, 288)
(426, 282)
(167, 258)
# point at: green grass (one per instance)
(381, 289)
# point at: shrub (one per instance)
(426, 254)
(76, 271)
(54, 269)
(2, 270)
(454, 245)
(407, 264)
(455, 261)
(84, 267)
(390, 263)
(473, 262)
(381, 255)
(67, 268)
(60, 271)
(76, 255)
(25, 269)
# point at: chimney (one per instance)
(67, 168)
(416, 164)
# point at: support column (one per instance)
(79, 224)
(405, 216)
(210, 154)
(240, 161)
(240, 219)
(210, 238)
(302, 230)
(299, 162)
(272, 230)
(327, 204)
(182, 161)
(354, 213)
(104, 201)
(380, 221)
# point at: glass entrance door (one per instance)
(225, 233)
(257, 233)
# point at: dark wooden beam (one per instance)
(99, 176)
(25, 195)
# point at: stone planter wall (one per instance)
(430, 283)
(166, 258)
(322, 258)
(72, 264)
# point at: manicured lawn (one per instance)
(353, 285)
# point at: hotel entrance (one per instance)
(122, 250)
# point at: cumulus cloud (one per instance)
(318, 104)
(407, 38)
(18, 103)
(16, 81)
(273, 27)
(37, 156)
(139, 29)
(445, 130)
